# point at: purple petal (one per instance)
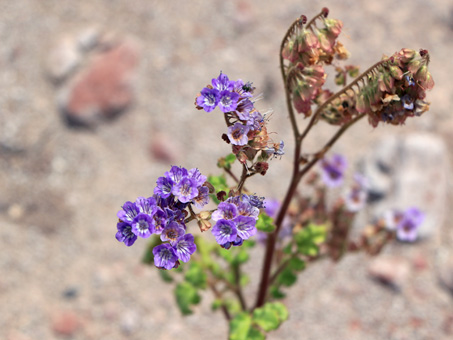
(164, 256)
(143, 225)
(185, 247)
(224, 231)
(245, 226)
(125, 234)
(226, 211)
(172, 232)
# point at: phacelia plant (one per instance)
(296, 231)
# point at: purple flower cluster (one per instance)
(163, 214)
(332, 170)
(235, 99)
(405, 223)
(236, 219)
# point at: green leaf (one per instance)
(186, 295)
(196, 275)
(265, 223)
(296, 264)
(240, 326)
(266, 318)
(276, 293)
(229, 159)
(287, 277)
(280, 309)
(165, 276)
(255, 334)
(288, 248)
(309, 238)
(270, 316)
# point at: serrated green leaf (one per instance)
(296, 264)
(309, 238)
(280, 309)
(270, 316)
(196, 275)
(265, 223)
(186, 295)
(287, 277)
(266, 318)
(255, 334)
(240, 326)
(230, 159)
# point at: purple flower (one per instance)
(244, 108)
(407, 228)
(208, 99)
(143, 225)
(332, 171)
(185, 190)
(356, 198)
(224, 231)
(196, 175)
(164, 256)
(176, 174)
(245, 226)
(245, 90)
(203, 197)
(128, 213)
(185, 246)
(255, 120)
(125, 234)
(146, 205)
(172, 232)
(225, 211)
(237, 134)
(160, 220)
(222, 83)
(228, 101)
(164, 187)
(256, 201)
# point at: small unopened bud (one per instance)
(221, 195)
(204, 225)
(423, 52)
(205, 215)
(225, 138)
(303, 19)
(325, 12)
(261, 167)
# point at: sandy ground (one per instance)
(61, 188)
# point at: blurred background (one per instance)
(96, 102)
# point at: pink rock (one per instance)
(163, 149)
(66, 323)
(390, 270)
(104, 89)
